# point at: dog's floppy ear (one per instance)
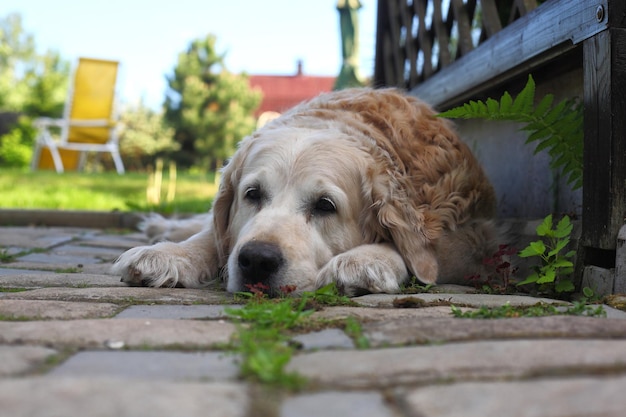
(222, 205)
(412, 229)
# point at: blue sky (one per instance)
(259, 37)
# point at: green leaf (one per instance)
(561, 263)
(551, 142)
(537, 135)
(533, 249)
(564, 285)
(543, 106)
(547, 277)
(523, 103)
(493, 107)
(554, 114)
(545, 227)
(505, 103)
(559, 246)
(531, 279)
(564, 227)
(588, 292)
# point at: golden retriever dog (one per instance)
(363, 188)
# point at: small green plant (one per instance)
(263, 326)
(355, 331)
(327, 295)
(559, 128)
(13, 289)
(415, 287)
(555, 266)
(536, 310)
(5, 256)
(500, 280)
(69, 270)
(262, 342)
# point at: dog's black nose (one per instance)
(258, 261)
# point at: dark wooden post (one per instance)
(604, 177)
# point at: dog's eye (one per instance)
(325, 206)
(253, 194)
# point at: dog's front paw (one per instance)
(161, 265)
(365, 269)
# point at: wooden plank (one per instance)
(562, 23)
(442, 35)
(389, 67)
(604, 174)
(464, 26)
(491, 19)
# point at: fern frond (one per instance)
(555, 128)
(524, 102)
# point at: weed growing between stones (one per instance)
(355, 331)
(70, 270)
(262, 339)
(10, 317)
(502, 280)
(5, 256)
(415, 287)
(555, 266)
(579, 308)
(3, 289)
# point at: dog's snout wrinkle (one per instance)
(258, 261)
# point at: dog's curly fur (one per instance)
(359, 187)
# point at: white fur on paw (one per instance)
(355, 274)
(161, 265)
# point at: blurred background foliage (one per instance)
(206, 110)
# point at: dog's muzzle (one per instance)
(258, 263)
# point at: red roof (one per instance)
(281, 92)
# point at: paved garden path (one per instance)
(75, 342)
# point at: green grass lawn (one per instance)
(102, 191)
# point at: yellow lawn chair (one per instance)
(88, 123)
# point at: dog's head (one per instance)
(354, 169)
(290, 199)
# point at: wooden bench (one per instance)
(449, 51)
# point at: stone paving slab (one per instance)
(175, 312)
(126, 295)
(187, 366)
(324, 339)
(94, 268)
(460, 361)
(107, 397)
(15, 271)
(121, 242)
(466, 300)
(54, 310)
(54, 259)
(549, 397)
(337, 404)
(37, 237)
(29, 279)
(133, 333)
(106, 254)
(364, 314)
(440, 330)
(160, 349)
(17, 360)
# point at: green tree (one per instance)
(144, 136)
(210, 108)
(31, 85)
